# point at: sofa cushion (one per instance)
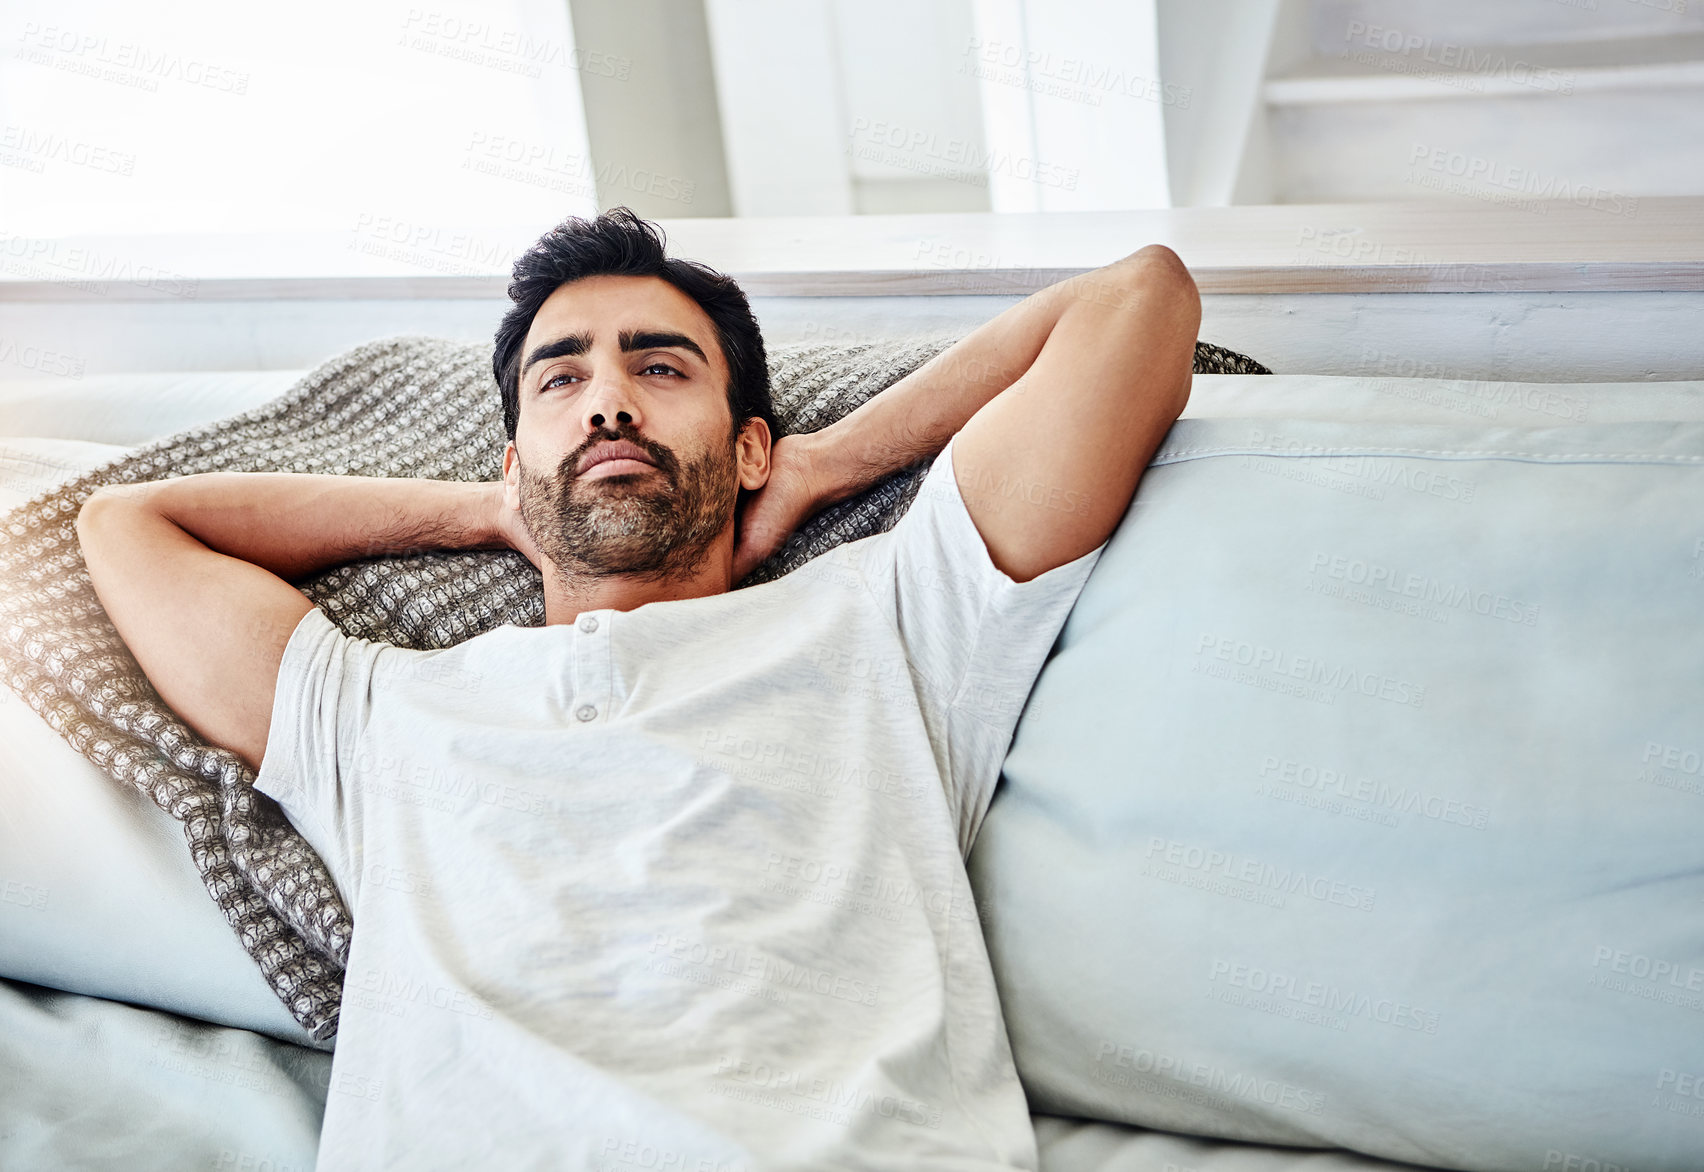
(98, 893)
(1082, 1145)
(1361, 803)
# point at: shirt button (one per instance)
(586, 712)
(589, 624)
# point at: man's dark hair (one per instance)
(619, 243)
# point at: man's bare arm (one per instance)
(194, 573)
(1071, 390)
(1084, 421)
(915, 417)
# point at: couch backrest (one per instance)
(1362, 803)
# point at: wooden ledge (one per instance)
(1445, 246)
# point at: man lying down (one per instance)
(720, 919)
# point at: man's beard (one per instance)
(658, 524)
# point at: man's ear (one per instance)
(511, 475)
(751, 450)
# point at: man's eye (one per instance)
(662, 366)
(551, 382)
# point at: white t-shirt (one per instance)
(680, 887)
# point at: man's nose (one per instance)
(610, 402)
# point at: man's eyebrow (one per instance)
(563, 347)
(658, 340)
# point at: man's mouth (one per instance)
(607, 468)
(615, 458)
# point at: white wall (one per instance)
(1604, 151)
(1506, 22)
(831, 107)
(1514, 102)
(1072, 100)
(1213, 59)
(653, 121)
(837, 106)
(913, 118)
(778, 85)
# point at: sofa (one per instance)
(1352, 824)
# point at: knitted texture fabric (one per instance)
(410, 406)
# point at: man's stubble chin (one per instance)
(655, 523)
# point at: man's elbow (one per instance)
(1155, 280)
(110, 498)
(1128, 282)
(97, 504)
(107, 519)
(1156, 268)
(1159, 258)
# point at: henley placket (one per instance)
(592, 667)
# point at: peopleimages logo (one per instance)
(1222, 1085)
(1398, 799)
(1311, 669)
(1647, 968)
(958, 159)
(1676, 757)
(37, 147)
(86, 269)
(36, 358)
(1449, 595)
(1555, 1161)
(1443, 162)
(1379, 471)
(1319, 995)
(1073, 78)
(839, 1097)
(1256, 873)
(1459, 63)
(764, 968)
(124, 62)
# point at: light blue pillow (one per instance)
(1362, 803)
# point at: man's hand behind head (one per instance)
(771, 514)
(508, 524)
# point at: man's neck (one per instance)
(568, 595)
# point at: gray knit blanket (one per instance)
(407, 406)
